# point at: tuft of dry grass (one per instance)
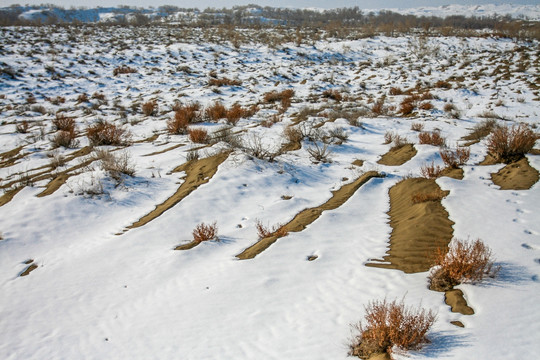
(199, 136)
(115, 164)
(284, 97)
(431, 138)
(454, 158)
(511, 144)
(417, 126)
(204, 232)
(105, 133)
(62, 122)
(463, 261)
(482, 130)
(22, 127)
(332, 94)
(216, 111)
(224, 82)
(65, 138)
(390, 324)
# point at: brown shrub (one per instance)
(203, 232)
(283, 96)
(406, 108)
(443, 84)
(82, 98)
(115, 164)
(123, 70)
(236, 112)
(426, 106)
(104, 133)
(511, 144)
(22, 127)
(62, 122)
(332, 94)
(417, 126)
(98, 96)
(455, 158)
(57, 100)
(65, 138)
(150, 108)
(224, 82)
(378, 108)
(430, 171)
(463, 261)
(199, 136)
(431, 138)
(389, 324)
(278, 230)
(292, 134)
(178, 124)
(395, 91)
(216, 111)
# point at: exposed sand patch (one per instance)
(398, 156)
(29, 269)
(454, 298)
(61, 178)
(165, 150)
(454, 173)
(8, 195)
(198, 172)
(9, 158)
(189, 245)
(358, 162)
(417, 229)
(308, 216)
(149, 139)
(519, 175)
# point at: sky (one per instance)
(202, 4)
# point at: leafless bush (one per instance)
(455, 158)
(417, 126)
(333, 94)
(465, 261)
(431, 138)
(115, 164)
(266, 231)
(198, 136)
(510, 144)
(65, 138)
(319, 153)
(389, 324)
(123, 70)
(105, 133)
(431, 171)
(224, 82)
(203, 232)
(22, 127)
(482, 130)
(150, 108)
(62, 122)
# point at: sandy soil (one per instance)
(398, 156)
(519, 175)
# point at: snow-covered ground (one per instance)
(97, 294)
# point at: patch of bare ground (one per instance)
(165, 150)
(455, 299)
(398, 155)
(519, 175)
(358, 162)
(454, 173)
(8, 195)
(308, 216)
(9, 158)
(149, 139)
(198, 172)
(29, 269)
(418, 228)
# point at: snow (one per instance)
(99, 295)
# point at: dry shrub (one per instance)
(263, 231)
(150, 108)
(465, 261)
(62, 122)
(332, 94)
(406, 107)
(216, 111)
(236, 112)
(292, 134)
(223, 82)
(82, 98)
(455, 158)
(389, 324)
(65, 138)
(57, 100)
(283, 96)
(203, 232)
(511, 144)
(178, 124)
(395, 91)
(481, 130)
(199, 136)
(397, 140)
(378, 108)
(431, 138)
(417, 126)
(123, 70)
(98, 96)
(430, 171)
(115, 164)
(104, 133)
(426, 106)
(443, 84)
(389, 137)
(319, 153)
(22, 127)
(436, 195)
